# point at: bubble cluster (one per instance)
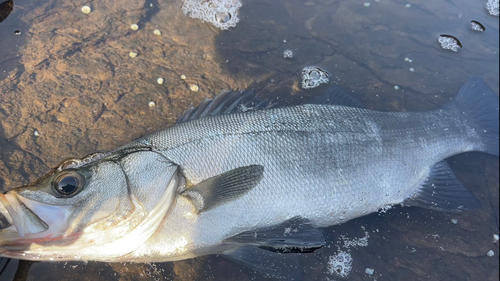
(222, 14)
(313, 76)
(449, 42)
(355, 242)
(477, 26)
(340, 264)
(288, 54)
(492, 7)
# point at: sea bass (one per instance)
(246, 178)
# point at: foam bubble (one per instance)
(449, 42)
(222, 14)
(288, 54)
(492, 7)
(313, 76)
(340, 264)
(477, 26)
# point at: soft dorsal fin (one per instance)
(336, 96)
(442, 191)
(224, 188)
(227, 102)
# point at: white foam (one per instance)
(222, 14)
(492, 7)
(340, 264)
(449, 43)
(355, 242)
(288, 54)
(476, 27)
(313, 76)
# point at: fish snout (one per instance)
(14, 212)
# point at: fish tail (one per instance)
(480, 106)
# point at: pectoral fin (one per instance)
(225, 187)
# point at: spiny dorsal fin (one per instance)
(224, 188)
(442, 191)
(227, 102)
(246, 100)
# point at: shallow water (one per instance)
(69, 79)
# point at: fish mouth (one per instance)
(26, 220)
(5, 218)
(14, 213)
(26, 223)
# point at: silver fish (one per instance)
(239, 176)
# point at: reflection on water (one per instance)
(68, 77)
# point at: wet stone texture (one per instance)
(68, 87)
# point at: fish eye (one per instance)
(69, 183)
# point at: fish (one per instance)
(249, 179)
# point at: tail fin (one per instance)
(480, 106)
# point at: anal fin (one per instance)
(290, 266)
(296, 233)
(442, 191)
(277, 250)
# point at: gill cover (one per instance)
(99, 209)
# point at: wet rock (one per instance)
(6, 8)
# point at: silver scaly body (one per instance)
(326, 163)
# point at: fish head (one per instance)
(98, 208)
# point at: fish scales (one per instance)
(307, 154)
